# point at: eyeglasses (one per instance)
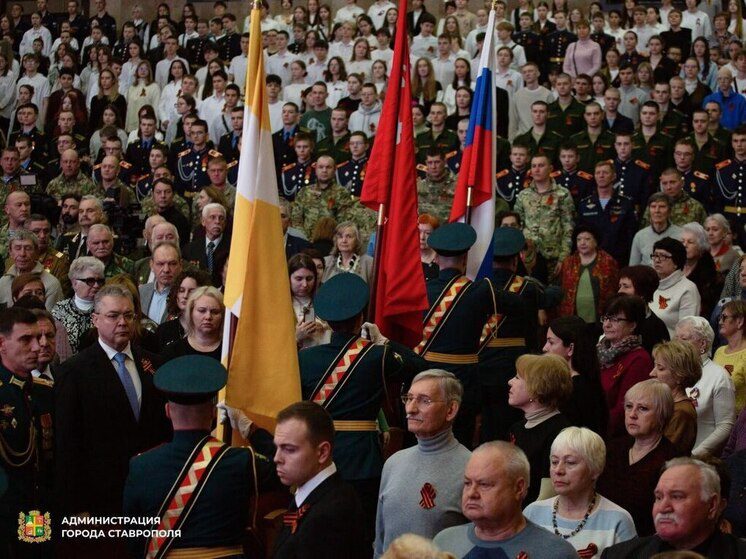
(659, 256)
(422, 401)
(613, 319)
(117, 316)
(90, 282)
(724, 317)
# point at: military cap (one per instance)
(452, 239)
(507, 241)
(341, 297)
(190, 379)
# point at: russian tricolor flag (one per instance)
(474, 201)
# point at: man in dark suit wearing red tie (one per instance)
(323, 519)
(108, 411)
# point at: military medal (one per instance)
(7, 410)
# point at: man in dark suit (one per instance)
(107, 409)
(323, 519)
(686, 512)
(210, 251)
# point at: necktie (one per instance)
(234, 141)
(129, 386)
(81, 247)
(210, 256)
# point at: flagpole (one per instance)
(467, 217)
(376, 259)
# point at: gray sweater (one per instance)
(439, 461)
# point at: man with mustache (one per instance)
(686, 512)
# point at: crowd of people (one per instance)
(587, 398)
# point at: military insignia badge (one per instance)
(34, 527)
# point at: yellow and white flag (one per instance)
(259, 348)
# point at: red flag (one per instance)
(400, 297)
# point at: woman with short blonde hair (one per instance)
(346, 254)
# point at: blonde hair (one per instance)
(205, 290)
(660, 397)
(412, 546)
(683, 361)
(589, 445)
(547, 377)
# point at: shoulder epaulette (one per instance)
(584, 175)
(340, 165)
(97, 166)
(215, 153)
(723, 164)
(701, 175)
(641, 163)
(182, 153)
(232, 163)
(44, 382)
(556, 174)
(70, 234)
(501, 174)
(451, 154)
(288, 167)
(422, 167)
(125, 164)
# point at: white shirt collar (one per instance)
(111, 352)
(307, 488)
(215, 242)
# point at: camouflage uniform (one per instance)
(685, 209)
(80, 184)
(547, 220)
(118, 265)
(335, 201)
(58, 264)
(436, 197)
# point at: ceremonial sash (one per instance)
(184, 493)
(340, 371)
(441, 310)
(496, 320)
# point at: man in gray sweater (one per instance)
(421, 486)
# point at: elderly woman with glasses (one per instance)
(732, 356)
(623, 360)
(714, 393)
(87, 277)
(587, 520)
(541, 384)
(676, 296)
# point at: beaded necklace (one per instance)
(580, 526)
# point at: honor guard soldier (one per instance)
(510, 181)
(650, 144)
(633, 175)
(590, 150)
(579, 183)
(507, 336)
(731, 176)
(211, 484)
(191, 164)
(566, 113)
(365, 363)
(459, 310)
(557, 42)
(26, 431)
(351, 174)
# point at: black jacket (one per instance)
(720, 546)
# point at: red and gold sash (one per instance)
(340, 371)
(185, 492)
(441, 310)
(495, 321)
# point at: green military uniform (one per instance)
(548, 144)
(338, 149)
(708, 154)
(81, 184)
(723, 135)
(5, 237)
(446, 141)
(590, 152)
(147, 206)
(674, 123)
(354, 405)
(221, 510)
(567, 121)
(684, 209)
(57, 264)
(547, 220)
(656, 151)
(313, 203)
(118, 264)
(6, 187)
(436, 197)
(26, 446)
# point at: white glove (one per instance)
(374, 333)
(237, 418)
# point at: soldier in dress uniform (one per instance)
(196, 47)
(515, 178)
(228, 477)
(26, 431)
(229, 45)
(633, 175)
(27, 115)
(557, 42)
(351, 174)
(604, 40)
(731, 176)
(590, 151)
(191, 164)
(697, 184)
(354, 405)
(579, 183)
(530, 41)
(298, 175)
(459, 310)
(507, 336)
(138, 152)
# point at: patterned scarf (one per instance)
(608, 353)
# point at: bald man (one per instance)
(71, 179)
